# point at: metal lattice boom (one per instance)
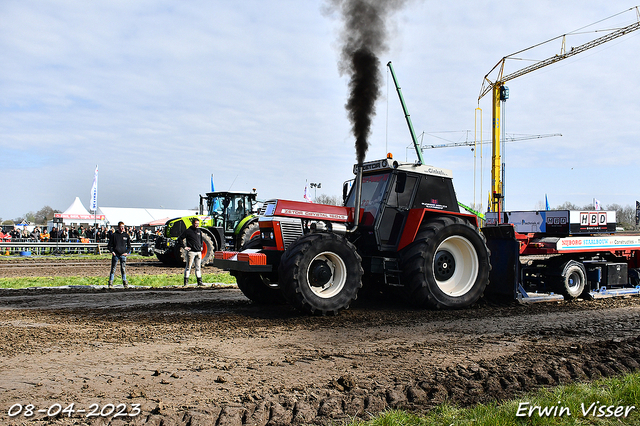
(487, 84)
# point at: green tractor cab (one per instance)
(229, 221)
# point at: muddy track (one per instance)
(208, 356)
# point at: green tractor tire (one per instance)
(249, 231)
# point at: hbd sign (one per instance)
(593, 219)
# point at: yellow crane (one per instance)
(501, 92)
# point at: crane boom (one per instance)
(487, 84)
(501, 93)
(506, 139)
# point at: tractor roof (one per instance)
(231, 193)
(390, 164)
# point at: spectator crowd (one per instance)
(99, 234)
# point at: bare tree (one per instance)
(625, 216)
(333, 200)
(44, 214)
(567, 205)
(540, 205)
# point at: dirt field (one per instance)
(209, 357)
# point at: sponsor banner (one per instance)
(601, 242)
(78, 216)
(317, 215)
(552, 222)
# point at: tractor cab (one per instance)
(391, 190)
(228, 222)
(227, 209)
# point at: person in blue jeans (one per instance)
(120, 246)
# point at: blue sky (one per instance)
(161, 94)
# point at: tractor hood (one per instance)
(305, 210)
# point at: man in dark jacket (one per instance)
(120, 246)
(53, 235)
(191, 240)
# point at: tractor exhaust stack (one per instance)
(356, 219)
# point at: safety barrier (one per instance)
(46, 248)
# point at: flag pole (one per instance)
(94, 197)
(95, 212)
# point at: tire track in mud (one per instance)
(210, 357)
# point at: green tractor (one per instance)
(229, 222)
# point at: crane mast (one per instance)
(501, 93)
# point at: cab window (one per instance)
(373, 190)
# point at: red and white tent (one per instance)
(77, 213)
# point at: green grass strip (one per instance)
(603, 402)
(72, 256)
(162, 280)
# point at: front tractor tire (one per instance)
(321, 273)
(447, 266)
(247, 233)
(257, 287)
(167, 258)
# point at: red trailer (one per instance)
(546, 254)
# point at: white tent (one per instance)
(77, 214)
(139, 216)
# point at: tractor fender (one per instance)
(244, 222)
(416, 217)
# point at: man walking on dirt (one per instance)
(120, 246)
(191, 240)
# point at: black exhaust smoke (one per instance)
(363, 39)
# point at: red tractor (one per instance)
(400, 226)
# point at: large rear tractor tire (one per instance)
(209, 247)
(321, 273)
(246, 234)
(447, 266)
(572, 281)
(257, 287)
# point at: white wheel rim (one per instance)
(574, 281)
(466, 264)
(338, 275)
